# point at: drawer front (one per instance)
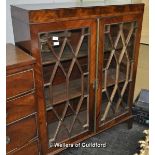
(30, 149)
(20, 107)
(19, 83)
(21, 132)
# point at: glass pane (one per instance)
(118, 56)
(66, 74)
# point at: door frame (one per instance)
(35, 48)
(111, 20)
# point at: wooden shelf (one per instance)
(111, 115)
(64, 135)
(60, 94)
(111, 76)
(109, 48)
(48, 57)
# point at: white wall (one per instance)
(9, 30)
(145, 26)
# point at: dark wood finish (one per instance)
(130, 123)
(21, 132)
(31, 149)
(20, 107)
(21, 16)
(18, 84)
(59, 94)
(59, 78)
(39, 76)
(59, 108)
(37, 19)
(48, 59)
(40, 15)
(15, 57)
(104, 21)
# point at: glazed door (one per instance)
(117, 63)
(67, 51)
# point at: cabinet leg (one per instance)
(130, 123)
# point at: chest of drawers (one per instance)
(21, 105)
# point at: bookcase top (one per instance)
(44, 6)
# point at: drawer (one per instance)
(28, 149)
(19, 83)
(21, 132)
(20, 107)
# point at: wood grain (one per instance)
(39, 21)
(28, 149)
(21, 132)
(20, 107)
(16, 57)
(19, 83)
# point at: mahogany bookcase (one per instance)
(86, 62)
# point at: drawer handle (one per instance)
(7, 139)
